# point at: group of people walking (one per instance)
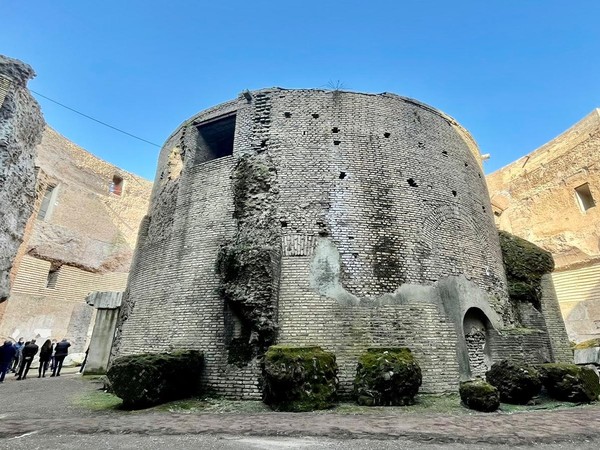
(18, 357)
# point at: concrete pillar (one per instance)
(108, 305)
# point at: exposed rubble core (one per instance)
(21, 125)
(248, 265)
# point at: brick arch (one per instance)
(456, 244)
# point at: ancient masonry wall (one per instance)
(64, 256)
(21, 126)
(36, 311)
(536, 198)
(373, 192)
(555, 324)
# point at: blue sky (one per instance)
(514, 73)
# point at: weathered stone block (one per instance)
(299, 378)
(479, 395)
(516, 382)
(387, 377)
(148, 379)
(571, 383)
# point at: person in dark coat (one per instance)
(45, 354)
(60, 353)
(29, 351)
(7, 354)
(52, 359)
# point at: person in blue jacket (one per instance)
(7, 354)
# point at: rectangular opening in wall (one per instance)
(4, 86)
(45, 207)
(215, 138)
(52, 277)
(584, 197)
(116, 185)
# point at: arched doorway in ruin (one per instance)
(476, 327)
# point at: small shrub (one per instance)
(387, 377)
(569, 382)
(299, 378)
(517, 383)
(479, 395)
(151, 378)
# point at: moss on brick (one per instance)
(569, 382)
(387, 377)
(299, 378)
(525, 265)
(479, 395)
(151, 378)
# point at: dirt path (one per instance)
(45, 406)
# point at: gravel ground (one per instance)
(42, 413)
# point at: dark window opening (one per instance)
(283, 224)
(315, 116)
(216, 138)
(335, 130)
(287, 115)
(342, 175)
(445, 152)
(584, 197)
(116, 186)
(46, 201)
(412, 182)
(337, 142)
(454, 193)
(52, 277)
(386, 135)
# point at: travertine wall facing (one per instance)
(535, 198)
(21, 125)
(86, 238)
(384, 221)
(33, 310)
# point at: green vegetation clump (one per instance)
(525, 264)
(590, 343)
(152, 378)
(479, 395)
(517, 383)
(387, 377)
(299, 378)
(569, 382)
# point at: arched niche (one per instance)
(476, 327)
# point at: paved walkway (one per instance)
(45, 406)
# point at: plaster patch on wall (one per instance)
(325, 271)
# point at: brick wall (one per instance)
(393, 186)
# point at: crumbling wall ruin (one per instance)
(21, 126)
(309, 217)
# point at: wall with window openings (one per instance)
(80, 238)
(550, 198)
